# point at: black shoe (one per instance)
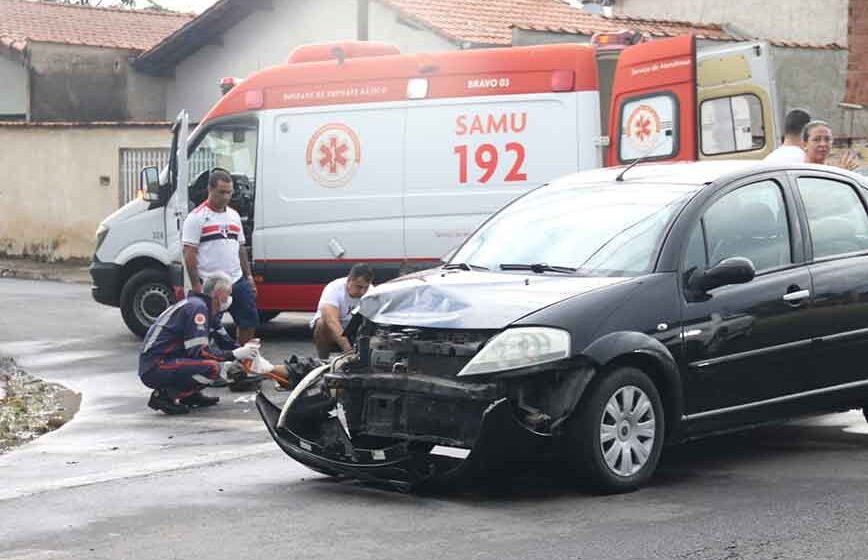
(219, 383)
(297, 368)
(199, 400)
(160, 400)
(244, 383)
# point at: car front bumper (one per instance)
(106, 288)
(384, 430)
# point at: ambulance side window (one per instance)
(231, 146)
(648, 127)
(732, 124)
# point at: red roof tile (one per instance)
(490, 22)
(23, 21)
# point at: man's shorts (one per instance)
(243, 308)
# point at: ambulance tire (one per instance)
(145, 295)
(266, 316)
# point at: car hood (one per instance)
(470, 300)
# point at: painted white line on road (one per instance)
(137, 470)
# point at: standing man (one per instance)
(338, 299)
(791, 150)
(177, 360)
(214, 242)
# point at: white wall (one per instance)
(806, 21)
(52, 194)
(384, 25)
(266, 37)
(13, 87)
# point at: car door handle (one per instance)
(797, 296)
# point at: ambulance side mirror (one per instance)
(150, 184)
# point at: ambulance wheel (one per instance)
(145, 295)
(266, 316)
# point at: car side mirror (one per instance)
(734, 270)
(150, 183)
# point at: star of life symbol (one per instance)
(643, 127)
(333, 155)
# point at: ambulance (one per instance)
(353, 152)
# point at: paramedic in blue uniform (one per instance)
(178, 359)
(214, 242)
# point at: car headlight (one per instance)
(101, 232)
(519, 348)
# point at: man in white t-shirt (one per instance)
(338, 299)
(214, 242)
(791, 150)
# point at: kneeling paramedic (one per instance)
(178, 360)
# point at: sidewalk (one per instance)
(28, 269)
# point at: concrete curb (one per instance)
(26, 269)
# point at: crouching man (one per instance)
(178, 359)
(333, 312)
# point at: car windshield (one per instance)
(611, 229)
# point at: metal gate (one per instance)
(132, 161)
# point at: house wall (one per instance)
(385, 24)
(13, 87)
(796, 20)
(811, 79)
(60, 182)
(81, 83)
(815, 80)
(266, 37)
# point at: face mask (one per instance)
(226, 304)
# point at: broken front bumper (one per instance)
(383, 428)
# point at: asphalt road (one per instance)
(121, 481)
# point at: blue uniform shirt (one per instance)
(186, 330)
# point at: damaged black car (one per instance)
(601, 317)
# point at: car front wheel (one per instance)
(615, 436)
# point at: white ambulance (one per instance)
(352, 152)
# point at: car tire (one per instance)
(266, 316)
(615, 436)
(145, 295)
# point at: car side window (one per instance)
(695, 257)
(836, 218)
(749, 222)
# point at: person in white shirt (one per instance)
(214, 242)
(338, 299)
(791, 150)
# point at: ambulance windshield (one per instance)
(598, 230)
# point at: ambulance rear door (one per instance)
(737, 101)
(653, 111)
(330, 197)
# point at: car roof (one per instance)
(684, 173)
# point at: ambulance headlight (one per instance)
(520, 347)
(101, 233)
